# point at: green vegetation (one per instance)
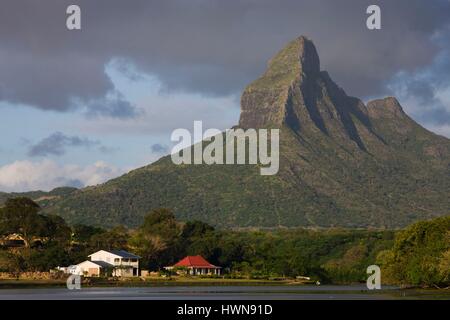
(20, 216)
(44, 198)
(418, 255)
(342, 164)
(317, 186)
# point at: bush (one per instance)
(420, 254)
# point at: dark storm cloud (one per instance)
(213, 47)
(57, 144)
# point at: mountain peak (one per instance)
(264, 101)
(298, 57)
(309, 59)
(386, 107)
(342, 164)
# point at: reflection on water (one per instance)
(215, 292)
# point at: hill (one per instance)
(342, 163)
(43, 197)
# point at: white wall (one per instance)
(103, 255)
(84, 267)
(116, 260)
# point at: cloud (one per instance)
(425, 92)
(112, 105)
(107, 150)
(159, 148)
(443, 130)
(161, 111)
(211, 47)
(57, 144)
(21, 176)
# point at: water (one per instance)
(204, 293)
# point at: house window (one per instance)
(133, 260)
(116, 260)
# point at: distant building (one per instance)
(195, 265)
(119, 263)
(13, 240)
(93, 268)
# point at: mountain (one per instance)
(343, 163)
(43, 197)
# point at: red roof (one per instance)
(194, 262)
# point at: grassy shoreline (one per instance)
(150, 282)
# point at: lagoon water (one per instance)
(204, 293)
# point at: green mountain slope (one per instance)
(43, 197)
(342, 163)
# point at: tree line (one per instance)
(417, 255)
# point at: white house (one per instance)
(92, 268)
(119, 263)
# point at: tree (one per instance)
(116, 238)
(161, 222)
(10, 262)
(444, 266)
(195, 229)
(49, 257)
(83, 233)
(56, 229)
(20, 215)
(156, 240)
(419, 255)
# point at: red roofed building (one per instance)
(196, 265)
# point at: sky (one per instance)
(80, 107)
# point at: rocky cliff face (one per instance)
(294, 92)
(342, 163)
(265, 102)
